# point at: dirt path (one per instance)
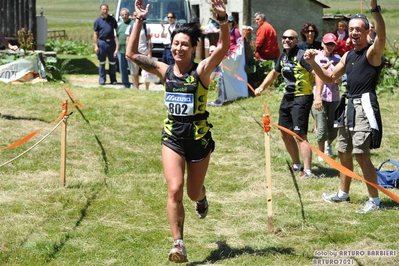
(91, 81)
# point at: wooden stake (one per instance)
(268, 184)
(63, 145)
(266, 129)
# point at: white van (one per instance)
(158, 12)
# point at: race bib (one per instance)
(179, 104)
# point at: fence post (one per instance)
(63, 145)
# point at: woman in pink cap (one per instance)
(326, 97)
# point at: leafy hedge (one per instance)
(70, 47)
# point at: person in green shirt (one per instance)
(120, 33)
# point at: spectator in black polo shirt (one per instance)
(105, 44)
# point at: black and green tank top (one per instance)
(185, 100)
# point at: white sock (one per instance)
(341, 193)
(376, 200)
(308, 171)
(297, 166)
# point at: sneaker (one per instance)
(294, 168)
(201, 209)
(334, 197)
(178, 253)
(328, 150)
(306, 175)
(370, 206)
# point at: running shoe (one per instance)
(369, 207)
(295, 168)
(334, 197)
(306, 175)
(178, 253)
(201, 208)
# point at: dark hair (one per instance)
(364, 18)
(305, 28)
(172, 13)
(191, 29)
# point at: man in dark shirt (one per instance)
(297, 100)
(359, 122)
(105, 44)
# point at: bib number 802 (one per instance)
(178, 109)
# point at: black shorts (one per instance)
(294, 113)
(192, 150)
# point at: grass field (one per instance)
(112, 210)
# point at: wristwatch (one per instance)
(221, 18)
(376, 9)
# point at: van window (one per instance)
(159, 9)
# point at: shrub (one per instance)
(389, 78)
(73, 47)
(55, 68)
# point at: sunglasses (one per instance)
(359, 16)
(289, 37)
(364, 18)
(171, 17)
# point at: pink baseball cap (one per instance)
(329, 38)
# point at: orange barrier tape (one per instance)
(238, 77)
(72, 97)
(330, 161)
(241, 42)
(31, 135)
(339, 166)
(266, 120)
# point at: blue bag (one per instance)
(388, 178)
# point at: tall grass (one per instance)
(112, 210)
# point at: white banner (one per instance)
(232, 78)
(27, 69)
